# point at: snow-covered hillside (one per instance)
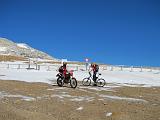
(23, 45)
(3, 49)
(8, 47)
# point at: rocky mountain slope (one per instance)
(8, 47)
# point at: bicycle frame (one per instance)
(91, 77)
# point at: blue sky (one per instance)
(107, 31)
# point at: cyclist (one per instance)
(95, 69)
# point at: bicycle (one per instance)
(99, 81)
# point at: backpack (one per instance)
(61, 69)
(96, 68)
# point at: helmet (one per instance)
(64, 63)
(92, 64)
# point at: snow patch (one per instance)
(80, 108)
(22, 45)
(28, 75)
(122, 98)
(3, 49)
(43, 97)
(81, 98)
(51, 89)
(108, 114)
(25, 98)
(108, 88)
(73, 98)
(59, 96)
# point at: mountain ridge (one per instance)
(8, 47)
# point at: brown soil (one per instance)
(11, 58)
(77, 104)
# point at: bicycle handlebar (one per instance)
(91, 74)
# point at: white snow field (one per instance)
(3, 49)
(120, 78)
(22, 45)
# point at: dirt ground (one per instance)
(39, 101)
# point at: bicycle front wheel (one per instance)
(101, 82)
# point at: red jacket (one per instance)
(94, 68)
(64, 71)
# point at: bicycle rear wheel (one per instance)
(86, 82)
